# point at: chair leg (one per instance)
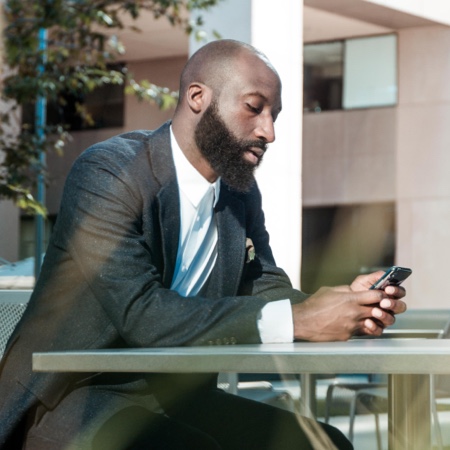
(352, 414)
(328, 400)
(437, 427)
(378, 431)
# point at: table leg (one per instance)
(409, 414)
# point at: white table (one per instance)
(408, 362)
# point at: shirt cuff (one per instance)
(275, 324)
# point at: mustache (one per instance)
(256, 143)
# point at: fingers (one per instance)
(382, 311)
(382, 318)
(379, 298)
(377, 311)
(383, 315)
(371, 317)
(364, 282)
(369, 297)
(393, 306)
(395, 291)
(371, 328)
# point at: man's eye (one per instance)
(254, 109)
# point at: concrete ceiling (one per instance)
(324, 20)
(367, 11)
(319, 25)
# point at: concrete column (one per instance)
(278, 32)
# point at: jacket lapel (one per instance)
(169, 219)
(230, 215)
(168, 199)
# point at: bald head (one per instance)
(214, 63)
(230, 97)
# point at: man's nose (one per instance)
(266, 129)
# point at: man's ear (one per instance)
(198, 97)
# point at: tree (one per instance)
(81, 44)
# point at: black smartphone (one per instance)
(394, 276)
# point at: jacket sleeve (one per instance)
(261, 276)
(100, 231)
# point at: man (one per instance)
(160, 241)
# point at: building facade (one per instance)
(388, 163)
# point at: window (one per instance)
(341, 242)
(322, 76)
(370, 72)
(355, 73)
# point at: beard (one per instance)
(224, 151)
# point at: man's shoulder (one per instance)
(135, 158)
(130, 143)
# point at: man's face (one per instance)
(231, 158)
(236, 127)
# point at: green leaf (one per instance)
(82, 44)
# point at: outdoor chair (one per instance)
(12, 305)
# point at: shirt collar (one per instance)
(190, 181)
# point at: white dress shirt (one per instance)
(197, 248)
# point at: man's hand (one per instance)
(338, 313)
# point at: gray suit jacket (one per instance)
(108, 268)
